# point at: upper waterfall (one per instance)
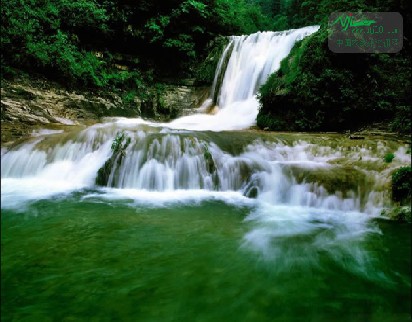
(252, 59)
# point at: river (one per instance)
(202, 218)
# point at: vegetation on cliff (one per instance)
(317, 90)
(402, 185)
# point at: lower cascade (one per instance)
(286, 171)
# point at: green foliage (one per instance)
(317, 90)
(265, 121)
(388, 157)
(239, 17)
(74, 42)
(120, 143)
(45, 37)
(297, 13)
(402, 121)
(281, 23)
(205, 72)
(401, 185)
(129, 97)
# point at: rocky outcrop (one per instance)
(185, 97)
(31, 105)
(27, 104)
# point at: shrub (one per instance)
(120, 143)
(388, 157)
(316, 89)
(401, 185)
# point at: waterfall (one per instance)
(298, 173)
(252, 59)
(169, 158)
(219, 73)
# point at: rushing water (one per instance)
(204, 225)
(252, 59)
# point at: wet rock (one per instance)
(333, 179)
(252, 193)
(177, 100)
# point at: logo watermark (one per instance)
(365, 32)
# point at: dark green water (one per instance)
(74, 259)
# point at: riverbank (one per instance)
(30, 103)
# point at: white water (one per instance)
(168, 162)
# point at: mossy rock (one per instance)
(343, 179)
(402, 214)
(103, 174)
(401, 185)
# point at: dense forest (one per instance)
(85, 44)
(77, 41)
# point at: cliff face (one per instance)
(27, 104)
(174, 99)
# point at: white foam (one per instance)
(235, 116)
(163, 198)
(294, 238)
